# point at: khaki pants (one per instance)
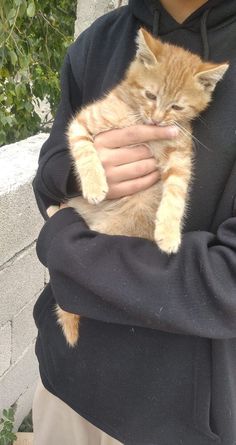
(55, 423)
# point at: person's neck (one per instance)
(180, 10)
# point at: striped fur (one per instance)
(173, 76)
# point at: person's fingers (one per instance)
(127, 188)
(64, 205)
(136, 134)
(124, 155)
(131, 171)
(52, 210)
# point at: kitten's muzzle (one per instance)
(160, 123)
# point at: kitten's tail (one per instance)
(69, 324)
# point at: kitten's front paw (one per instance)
(168, 238)
(95, 187)
(95, 196)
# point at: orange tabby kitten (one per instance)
(164, 85)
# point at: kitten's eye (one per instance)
(150, 95)
(176, 107)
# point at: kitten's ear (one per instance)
(148, 48)
(210, 74)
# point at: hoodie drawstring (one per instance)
(156, 21)
(203, 30)
(204, 36)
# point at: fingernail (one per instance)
(173, 131)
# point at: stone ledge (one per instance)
(18, 162)
(20, 218)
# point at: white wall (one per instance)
(22, 278)
(88, 11)
(21, 275)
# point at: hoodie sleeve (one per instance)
(55, 181)
(130, 281)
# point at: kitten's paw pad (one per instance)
(168, 240)
(168, 246)
(96, 196)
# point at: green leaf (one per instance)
(11, 414)
(8, 426)
(11, 14)
(24, 61)
(4, 72)
(13, 57)
(23, 8)
(31, 10)
(29, 64)
(8, 437)
(29, 107)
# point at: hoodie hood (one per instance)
(149, 12)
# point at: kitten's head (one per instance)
(166, 83)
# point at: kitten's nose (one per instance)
(158, 116)
(156, 122)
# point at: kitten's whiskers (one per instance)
(202, 121)
(191, 136)
(136, 118)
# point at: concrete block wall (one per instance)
(22, 278)
(21, 275)
(88, 11)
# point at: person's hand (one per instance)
(64, 205)
(54, 209)
(130, 169)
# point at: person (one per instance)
(156, 359)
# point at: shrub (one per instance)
(6, 427)
(34, 36)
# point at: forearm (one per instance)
(54, 181)
(129, 281)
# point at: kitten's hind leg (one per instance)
(70, 325)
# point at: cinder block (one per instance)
(18, 378)
(23, 330)
(5, 347)
(20, 218)
(24, 405)
(20, 221)
(19, 281)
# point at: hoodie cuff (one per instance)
(72, 185)
(61, 183)
(52, 227)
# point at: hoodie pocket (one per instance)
(203, 390)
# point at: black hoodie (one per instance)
(156, 361)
